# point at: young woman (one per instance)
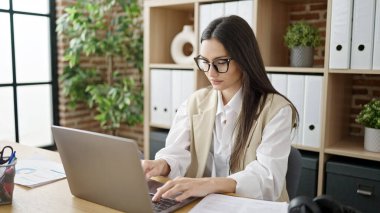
(233, 136)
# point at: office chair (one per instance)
(293, 175)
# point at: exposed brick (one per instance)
(306, 16)
(360, 91)
(297, 7)
(320, 6)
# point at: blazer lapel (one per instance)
(203, 124)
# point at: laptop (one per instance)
(107, 170)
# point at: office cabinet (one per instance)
(157, 141)
(309, 174)
(354, 183)
(269, 19)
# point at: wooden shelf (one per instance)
(352, 147)
(306, 148)
(159, 126)
(318, 70)
(370, 72)
(172, 66)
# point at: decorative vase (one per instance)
(372, 139)
(182, 46)
(301, 56)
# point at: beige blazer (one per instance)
(202, 108)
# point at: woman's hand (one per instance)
(182, 188)
(153, 168)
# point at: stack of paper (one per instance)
(223, 203)
(33, 173)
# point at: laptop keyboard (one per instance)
(163, 204)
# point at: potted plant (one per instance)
(301, 38)
(110, 31)
(369, 116)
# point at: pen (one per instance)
(12, 157)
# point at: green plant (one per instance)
(302, 34)
(369, 116)
(112, 31)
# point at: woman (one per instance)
(233, 136)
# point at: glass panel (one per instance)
(4, 4)
(7, 122)
(5, 49)
(32, 6)
(35, 115)
(32, 42)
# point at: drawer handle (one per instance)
(364, 192)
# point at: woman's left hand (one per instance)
(181, 188)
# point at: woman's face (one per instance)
(230, 81)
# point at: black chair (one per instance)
(293, 175)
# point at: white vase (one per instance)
(186, 36)
(372, 139)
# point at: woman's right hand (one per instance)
(153, 168)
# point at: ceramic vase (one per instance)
(372, 139)
(185, 37)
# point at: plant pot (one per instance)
(372, 139)
(302, 56)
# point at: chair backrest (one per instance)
(293, 174)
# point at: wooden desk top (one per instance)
(53, 197)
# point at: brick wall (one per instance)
(83, 117)
(315, 14)
(364, 88)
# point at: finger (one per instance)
(174, 191)
(161, 190)
(183, 196)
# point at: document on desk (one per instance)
(223, 203)
(37, 172)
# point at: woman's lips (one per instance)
(215, 82)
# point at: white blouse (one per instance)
(261, 179)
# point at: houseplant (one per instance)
(301, 38)
(369, 116)
(109, 31)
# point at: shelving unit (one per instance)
(164, 19)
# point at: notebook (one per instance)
(107, 170)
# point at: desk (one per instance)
(53, 197)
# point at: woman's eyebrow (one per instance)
(219, 57)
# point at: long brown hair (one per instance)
(240, 42)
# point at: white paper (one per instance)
(216, 203)
(33, 173)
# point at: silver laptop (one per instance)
(107, 170)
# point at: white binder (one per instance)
(362, 34)
(340, 37)
(245, 9)
(217, 10)
(182, 88)
(231, 8)
(176, 90)
(204, 17)
(376, 46)
(269, 76)
(161, 97)
(280, 83)
(296, 94)
(207, 13)
(312, 111)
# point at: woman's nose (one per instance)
(212, 71)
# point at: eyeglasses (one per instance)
(220, 64)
